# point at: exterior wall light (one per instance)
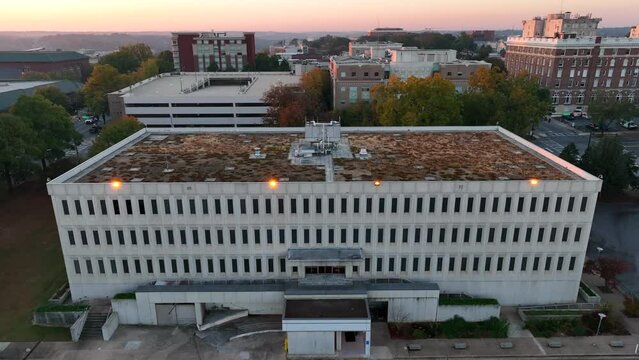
(534, 182)
(273, 184)
(116, 184)
(377, 182)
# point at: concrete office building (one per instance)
(634, 32)
(10, 91)
(387, 31)
(573, 63)
(198, 99)
(197, 51)
(326, 226)
(353, 79)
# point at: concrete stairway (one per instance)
(93, 326)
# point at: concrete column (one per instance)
(199, 313)
(367, 344)
(338, 341)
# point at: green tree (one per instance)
(515, 103)
(212, 67)
(359, 114)
(16, 147)
(56, 96)
(53, 128)
(497, 63)
(417, 102)
(316, 85)
(103, 80)
(571, 154)
(128, 57)
(608, 159)
(285, 106)
(165, 62)
(114, 133)
(605, 111)
(147, 69)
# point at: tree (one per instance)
(128, 57)
(53, 128)
(56, 96)
(316, 85)
(165, 62)
(605, 111)
(212, 67)
(147, 69)
(103, 80)
(359, 114)
(114, 133)
(497, 63)
(329, 45)
(428, 101)
(284, 106)
(608, 159)
(609, 268)
(570, 154)
(515, 103)
(16, 147)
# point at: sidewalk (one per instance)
(615, 299)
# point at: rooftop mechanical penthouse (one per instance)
(271, 220)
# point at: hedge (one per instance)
(464, 301)
(124, 296)
(61, 308)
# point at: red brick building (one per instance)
(14, 65)
(199, 51)
(576, 68)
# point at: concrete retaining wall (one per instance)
(76, 328)
(468, 312)
(127, 311)
(590, 299)
(109, 327)
(56, 318)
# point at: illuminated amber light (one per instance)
(273, 183)
(116, 184)
(534, 182)
(377, 182)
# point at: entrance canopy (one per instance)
(326, 309)
(325, 254)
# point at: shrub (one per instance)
(631, 306)
(420, 334)
(61, 308)
(556, 327)
(124, 296)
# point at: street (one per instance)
(88, 137)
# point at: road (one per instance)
(88, 137)
(556, 134)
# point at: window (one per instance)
(475, 263)
(355, 236)
(318, 206)
(451, 264)
(294, 236)
(270, 265)
(223, 266)
(429, 235)
(242, 206)
(467, 235)
(404, 235)
(394, 205)
(256, 206)
(244, 236)
(232, 236)
(482, 204)
(167, 207)
(90, 206)
(420, 205)
(491, 235)
(267, 205)
(520, 204)
(256, 236)
(145, 237)
(440, 263)
(116, 207)
(500, 263)
(380, 207)
(584, 204)
(71, 236)
(367, 235)
(571, 264)
(229, 206)
(101, 266)
(511, 263)
(76, 265)
(445, 205)
(393, 232)
(418, 233)
(125, 266)
(426, 264)
(548, 263)
(453, 236)
(378, 266)
(331, 236)
(356, 205)
(536, 263)
(307, 236)
(234, 265)
(78, 207)
(406, 205)
(516, 235)
(343, 206)
(560, 263)
(464, 261)
(269, 236)
(533, 204)
(524, 264)
(457, 204)
(495, 204)
(504, 234)
(577, 234)
(180, 208)
(282, 236)
(121, 237)
(318, 236)
(103, 207)
(540, 235)
(479, 235)
(282, 265)
(528, 234)
(205, 206)
(293, 206)
(65, 207)
(508, 201)
(442, 235)
(402, 264)
(431, 205)
(183, 237)
(305, 204)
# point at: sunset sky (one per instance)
(294, 15)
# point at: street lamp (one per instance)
(599, 250)
(601, 317)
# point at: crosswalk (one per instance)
(550, 145)
(83, 148)
(544, 134)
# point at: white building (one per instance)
(372, 49)
(199, 99)
(411, 61)
(273, 220)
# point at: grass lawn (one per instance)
(31, 266)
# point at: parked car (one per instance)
(630, 125)
(95, 129)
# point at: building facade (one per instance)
(577, 68)
(197, 219)
(14, 65)
(387, 31)
(634, 32)
(372, 49)
(353, 79)
(459, 71)
(223, 51)
(563, 25)
(198, 99)
(411, 61)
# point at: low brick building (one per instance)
(14, 65)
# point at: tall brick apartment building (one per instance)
(197, 51)
(573, 62)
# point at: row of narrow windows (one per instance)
(368, 205)
(344, 235)
(246, 265)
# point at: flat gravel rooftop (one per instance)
(421, 155)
